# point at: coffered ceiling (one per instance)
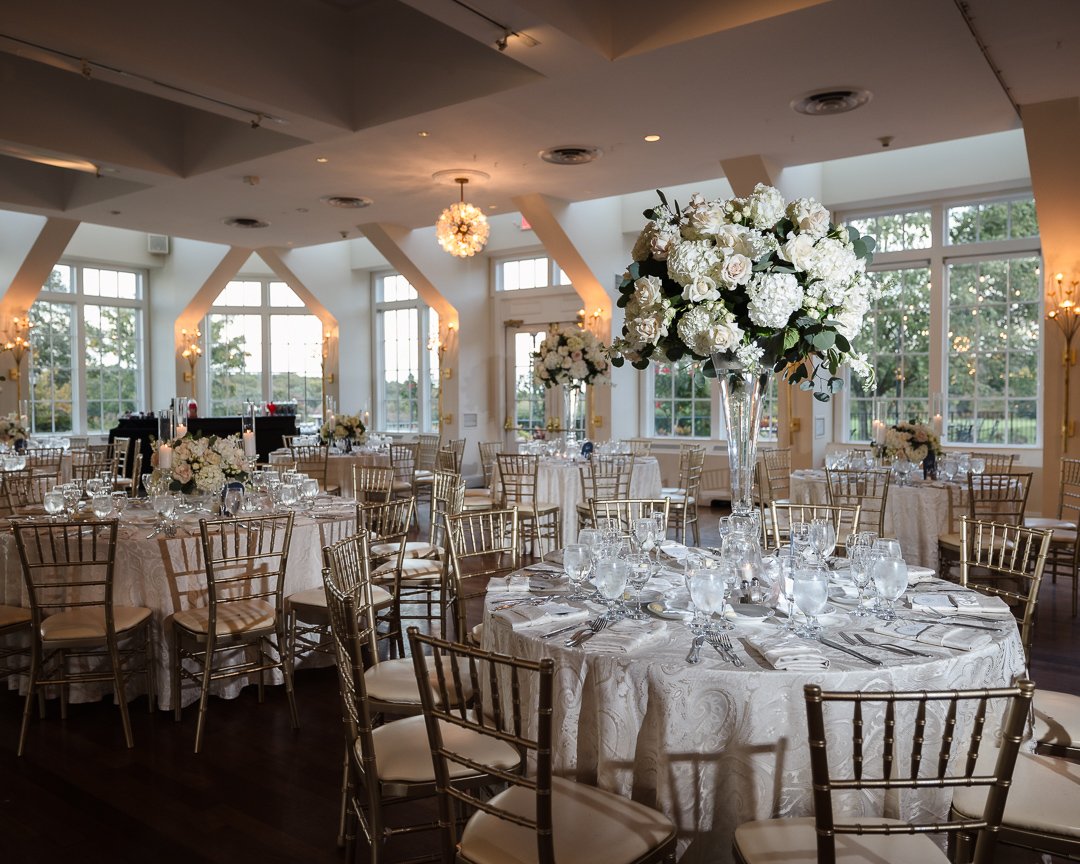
(201, 111)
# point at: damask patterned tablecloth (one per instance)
(915, 515)
(339, 467)
(167, 574)
(711, 745)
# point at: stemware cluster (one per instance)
(957, 466)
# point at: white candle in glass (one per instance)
(879, 434)
(249, 443)
(164, 457)
(938, 425)
(181, 430)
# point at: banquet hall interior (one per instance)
(233, 217)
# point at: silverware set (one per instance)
(722, 643)
(600, 622)
(858, 639)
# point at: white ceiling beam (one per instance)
(745, 172)
(37, 265)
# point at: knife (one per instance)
(865, 658)
(575, 626)
(946, 623)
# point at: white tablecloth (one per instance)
(710, 745)
(915, 515)
(166, 575)
(339, 466)
(558, 481)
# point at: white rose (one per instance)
(700, 291)
(810, 216)
(646, 330)
(799, 250)
(733, 238)
(551, 360)
(736, 269)
(579, 369)
(648, 290)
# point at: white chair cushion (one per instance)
(315, 599)
(413, 549)
(590, 825)
(1046, 523)
(427, 569)
(401, 486)
(1045, 794)
(478, 502)
(11, 616)
(243, 616)
(794, 841)
(1057, 719)
(479, 492)
(395, 681)
(403, 755)
(89, 623)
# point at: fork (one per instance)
(718, 640)
(899, 649)
(592, 628)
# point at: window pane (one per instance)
(396, 288)
(112, 372)
(524, 273)
(296, 371)
(282, 295)
(235, 349)
(240, 293)
(401, 369)
(528, 394)
(1022, 219)
(683, 401)
(59, 280)
(51, 366)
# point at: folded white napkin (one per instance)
(543, 567)
(790, 653)
(960, 602)
(515, 583)
(916, 574)
(942, 635)
(625, 636)
(530, 615)
(674, 550)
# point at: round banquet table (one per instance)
(916, 514)
(558, 481)
(712, 745)
(166, 574)
(339, 467)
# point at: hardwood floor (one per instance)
(259, 791)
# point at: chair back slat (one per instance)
(998, 498)
(777, 462)
(245, 559)
(869, 488)
(372, 484)
(483, 544)
(67, 565)
(488, 451)
(627, 511)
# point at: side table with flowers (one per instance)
(343, 430)
(755, 285)
(573, 357)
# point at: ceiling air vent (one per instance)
(839, 100)
(246, 222)
(347, 202)
(571, 155)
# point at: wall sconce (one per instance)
(436, 344)
(328, 377)
(191, 352)
(18, 345)
(1061, 297)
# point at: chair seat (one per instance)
(794, 841)
(1047, 523)
(243, 616)
(401, 486)
(424, 477)
(543, 508)
(413, 549)
(1044, 795)
(478, 492)
(88, 623)
(403, 755)
(1063, 537)
(478, 502)
(395, 681)
(590, 825)
(1057, 719)
(312, 602)
(427, 569)
(14, 616)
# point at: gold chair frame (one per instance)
(482, 545)
(866, 487)
(539, 521)
(684, 497)
(844, 518)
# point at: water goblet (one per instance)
(963, 462)
(978, 465)
(119, 502)
(822, 538)
(949, 467)
(102, 505)
(811, 593)
(710, 588)
(644, 533)
(610, 576)
(886, 547)
(290, 495)
(767, 587)
(54, 502)
(576, 562)
(164, 505)
(862, 561)
(72, 494)
(234, 496)
(743, 553)
(890, 577)
(309, 491)
(641, 571)
(660, 518)
(147, 485)
(800, 538)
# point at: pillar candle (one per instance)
(938, 425)
(249, 443)
(181, 430)
(164, 457)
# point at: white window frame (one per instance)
(78, 301)
(937, 257)
(553, 272)
(427, 365)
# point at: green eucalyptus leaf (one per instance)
(821, 397)
(663, 197)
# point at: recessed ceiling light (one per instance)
(837, 100)
(346, 202)
(423, 134)
(301, 209)
(246, 222)
(322, 160)
(651, 138)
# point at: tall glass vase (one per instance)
(742, 395)
(573, 399)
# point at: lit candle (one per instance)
(879, 433)
(938, 425)
(249, 443)
(164, 457)
(181, 430)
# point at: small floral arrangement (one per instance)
(758, 281)
(911, 441)
(12, 430)
(203, 463)
(343, 427)
(570, 355)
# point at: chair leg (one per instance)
(35, 670)
(204, 691)
(175, 674)
(63, 685)
(344, 837)
(120, 692)
(151, 668)
(287, 671)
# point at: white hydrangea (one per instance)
(765, 206)
(750, 354)
(709, 328)
(579, 369)
(691, 260)
(773, 297)
(656, 238)
(833, 261)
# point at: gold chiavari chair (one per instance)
(539, 817)
(45, 461)
(24, 491)
(482, 546)
(777, 462)
(603, 479)
(868, 488)
(539, 521)
(86, 464)
(488, 451)
(640, 447)
(626, 511)
(843, 518)
(385, 763)
(16, 624)
(683, 497)
(427, 448)
(68, 569)
(946, 735)
(245, 563)
(996, 463)
(446, 460)
(1064, 557)
(372, 484)
(457, 446)
(1000, 498)
(403, 460)
(314, 460)
(78, 442)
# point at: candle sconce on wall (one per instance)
(191, 351)
(18, 345)
(1061, 299)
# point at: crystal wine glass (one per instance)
(710, 588)
(576, 561)
(862, 562)
(54, 502)
(641, 571)
(811, 592)
(610, 576)
(822, 538)
(890, 578)
(101, 505)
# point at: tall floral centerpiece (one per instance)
(200, 464)
(13, 431)
(915, 442)
(343, 429)
(573, 357)
(756, 285)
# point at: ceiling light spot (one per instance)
(651, 138)
(346, 202)
(322, 160)
(301, 209)
(246, 222)
(836, 100)
(423, 134)
(571, 155)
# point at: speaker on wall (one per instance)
(157, 244)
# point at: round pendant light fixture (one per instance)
(462, 229)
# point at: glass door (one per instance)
(528, 404)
